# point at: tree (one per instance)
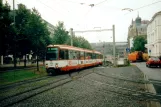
(5, 29)
(37, 31)
(38, 34)
(60, 35)
(21, 19)
(139, 43)
(84, 43)
(31, 32)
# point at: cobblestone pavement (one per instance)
(94, 90)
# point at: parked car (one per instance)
(154, 61)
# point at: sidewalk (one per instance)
(6, 67)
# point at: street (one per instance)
(152, 73)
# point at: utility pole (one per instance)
(71, 34)
(114, 51)
(14, 34)
(37, 60)
(104, 53)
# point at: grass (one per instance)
(20, 75)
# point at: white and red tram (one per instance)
(65, 58)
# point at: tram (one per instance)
(63, 58)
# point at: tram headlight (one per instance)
(46, 65)
(56, 65)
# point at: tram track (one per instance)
(131, 92)
(123, 78)
(40, 86)
(12, 85)
(138, 94)
(11, 100)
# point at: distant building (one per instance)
(154, 35)
(107, 48)
(50, 28)
(137, 28)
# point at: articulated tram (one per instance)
(63, 58)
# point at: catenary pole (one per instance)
(113, 30)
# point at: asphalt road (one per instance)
(152, 73)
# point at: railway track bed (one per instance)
(88, 88)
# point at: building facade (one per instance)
(107, 48)
(154, 36)
(50, 28)
(137, 28)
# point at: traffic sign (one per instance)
(149, 51)
(127, 49)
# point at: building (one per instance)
(107, 48)
(154, 36)
(137, 28)
(50, 28)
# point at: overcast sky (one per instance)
(77, 14)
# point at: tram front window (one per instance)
(52, 54)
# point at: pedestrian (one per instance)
(18, 60)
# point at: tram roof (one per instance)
(74, 48)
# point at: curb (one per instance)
(150, 88)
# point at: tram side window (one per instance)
(97, 56)
(77, 54)
(81, 55)
(90, 55)
(101, 56)
(73, 54)
(70, 54)
(62, 54)
(87, 55)
(66, 54)
(93, 56)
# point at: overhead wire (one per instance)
(102, 2)
(70, 1)
(143, 7)
(62, 7)
(146, 5)
(50, 7)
